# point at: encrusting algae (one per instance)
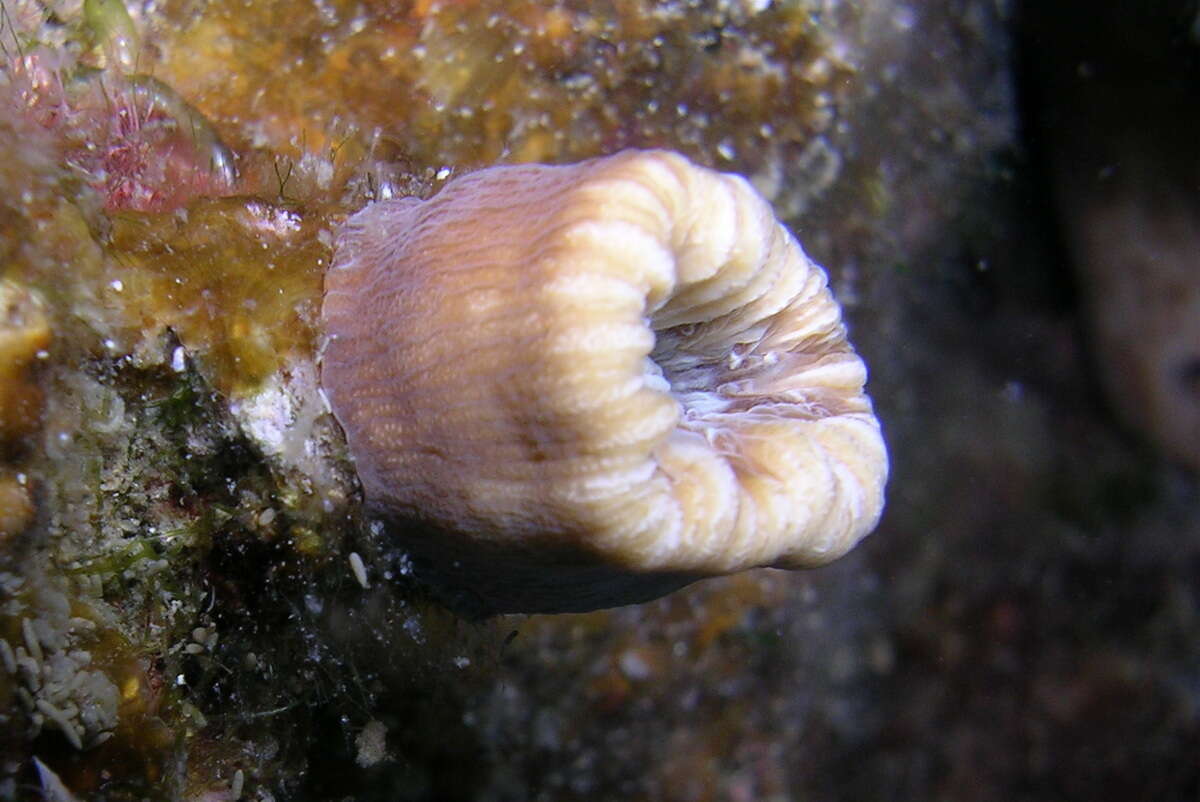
(422, 86)
(167, 214)
(236, 280)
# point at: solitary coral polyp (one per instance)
(586, 385)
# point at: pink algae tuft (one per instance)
(131, 138)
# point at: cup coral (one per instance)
(571, 387)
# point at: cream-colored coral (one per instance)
(584, 385)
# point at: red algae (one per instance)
(129, 137)
(144, 148)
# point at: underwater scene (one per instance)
(681, 400)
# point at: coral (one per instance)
(598, 381)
